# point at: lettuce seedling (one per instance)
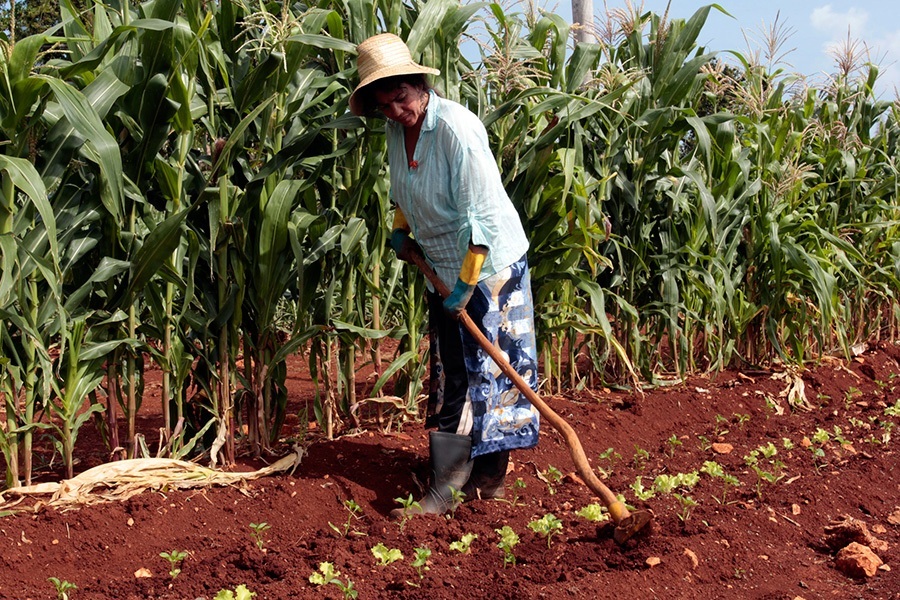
(547, 526)
(638, 488)
(464, 543)
(508, 541)
(386, 555)
(241, 592)
(594, 512)
(327, 574)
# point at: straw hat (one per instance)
(380, 56)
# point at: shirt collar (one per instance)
(431, 114)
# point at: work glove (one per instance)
(402, 244)
(462, 292)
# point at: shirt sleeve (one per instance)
(474, 181)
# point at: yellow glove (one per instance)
(462, 292)
(402, 244)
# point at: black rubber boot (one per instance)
(450, 470)
(488, 477)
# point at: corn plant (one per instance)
(82, 368)
(517, 487)
(609, 456)
(185, 178)
(673, 442)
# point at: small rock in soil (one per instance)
(693, 556)
(722, 448)
(857, 561)
(894, 518)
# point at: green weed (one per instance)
(258, 529)
(354, 511)
(62, 587)
(175, 558)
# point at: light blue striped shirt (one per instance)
(455, 193)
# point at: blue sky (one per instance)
(816, 25)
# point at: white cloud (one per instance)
(841, 29)
(886, 52)
(836, 24)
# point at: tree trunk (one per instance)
(583, 19)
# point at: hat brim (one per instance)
(356, 106)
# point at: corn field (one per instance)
(182, 187)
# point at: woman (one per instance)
(449, 196)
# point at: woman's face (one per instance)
(404, 104)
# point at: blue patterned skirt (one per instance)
(488, 406)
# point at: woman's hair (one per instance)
(389, 84)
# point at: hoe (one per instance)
(627, 523)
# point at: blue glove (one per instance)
(398, 238)
(456, 302)
(404, 245)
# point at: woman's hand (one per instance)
(404, 245)
(462, 292)
(456, 302)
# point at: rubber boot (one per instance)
(450, 469)
(488, 477)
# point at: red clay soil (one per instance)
(766, 543)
